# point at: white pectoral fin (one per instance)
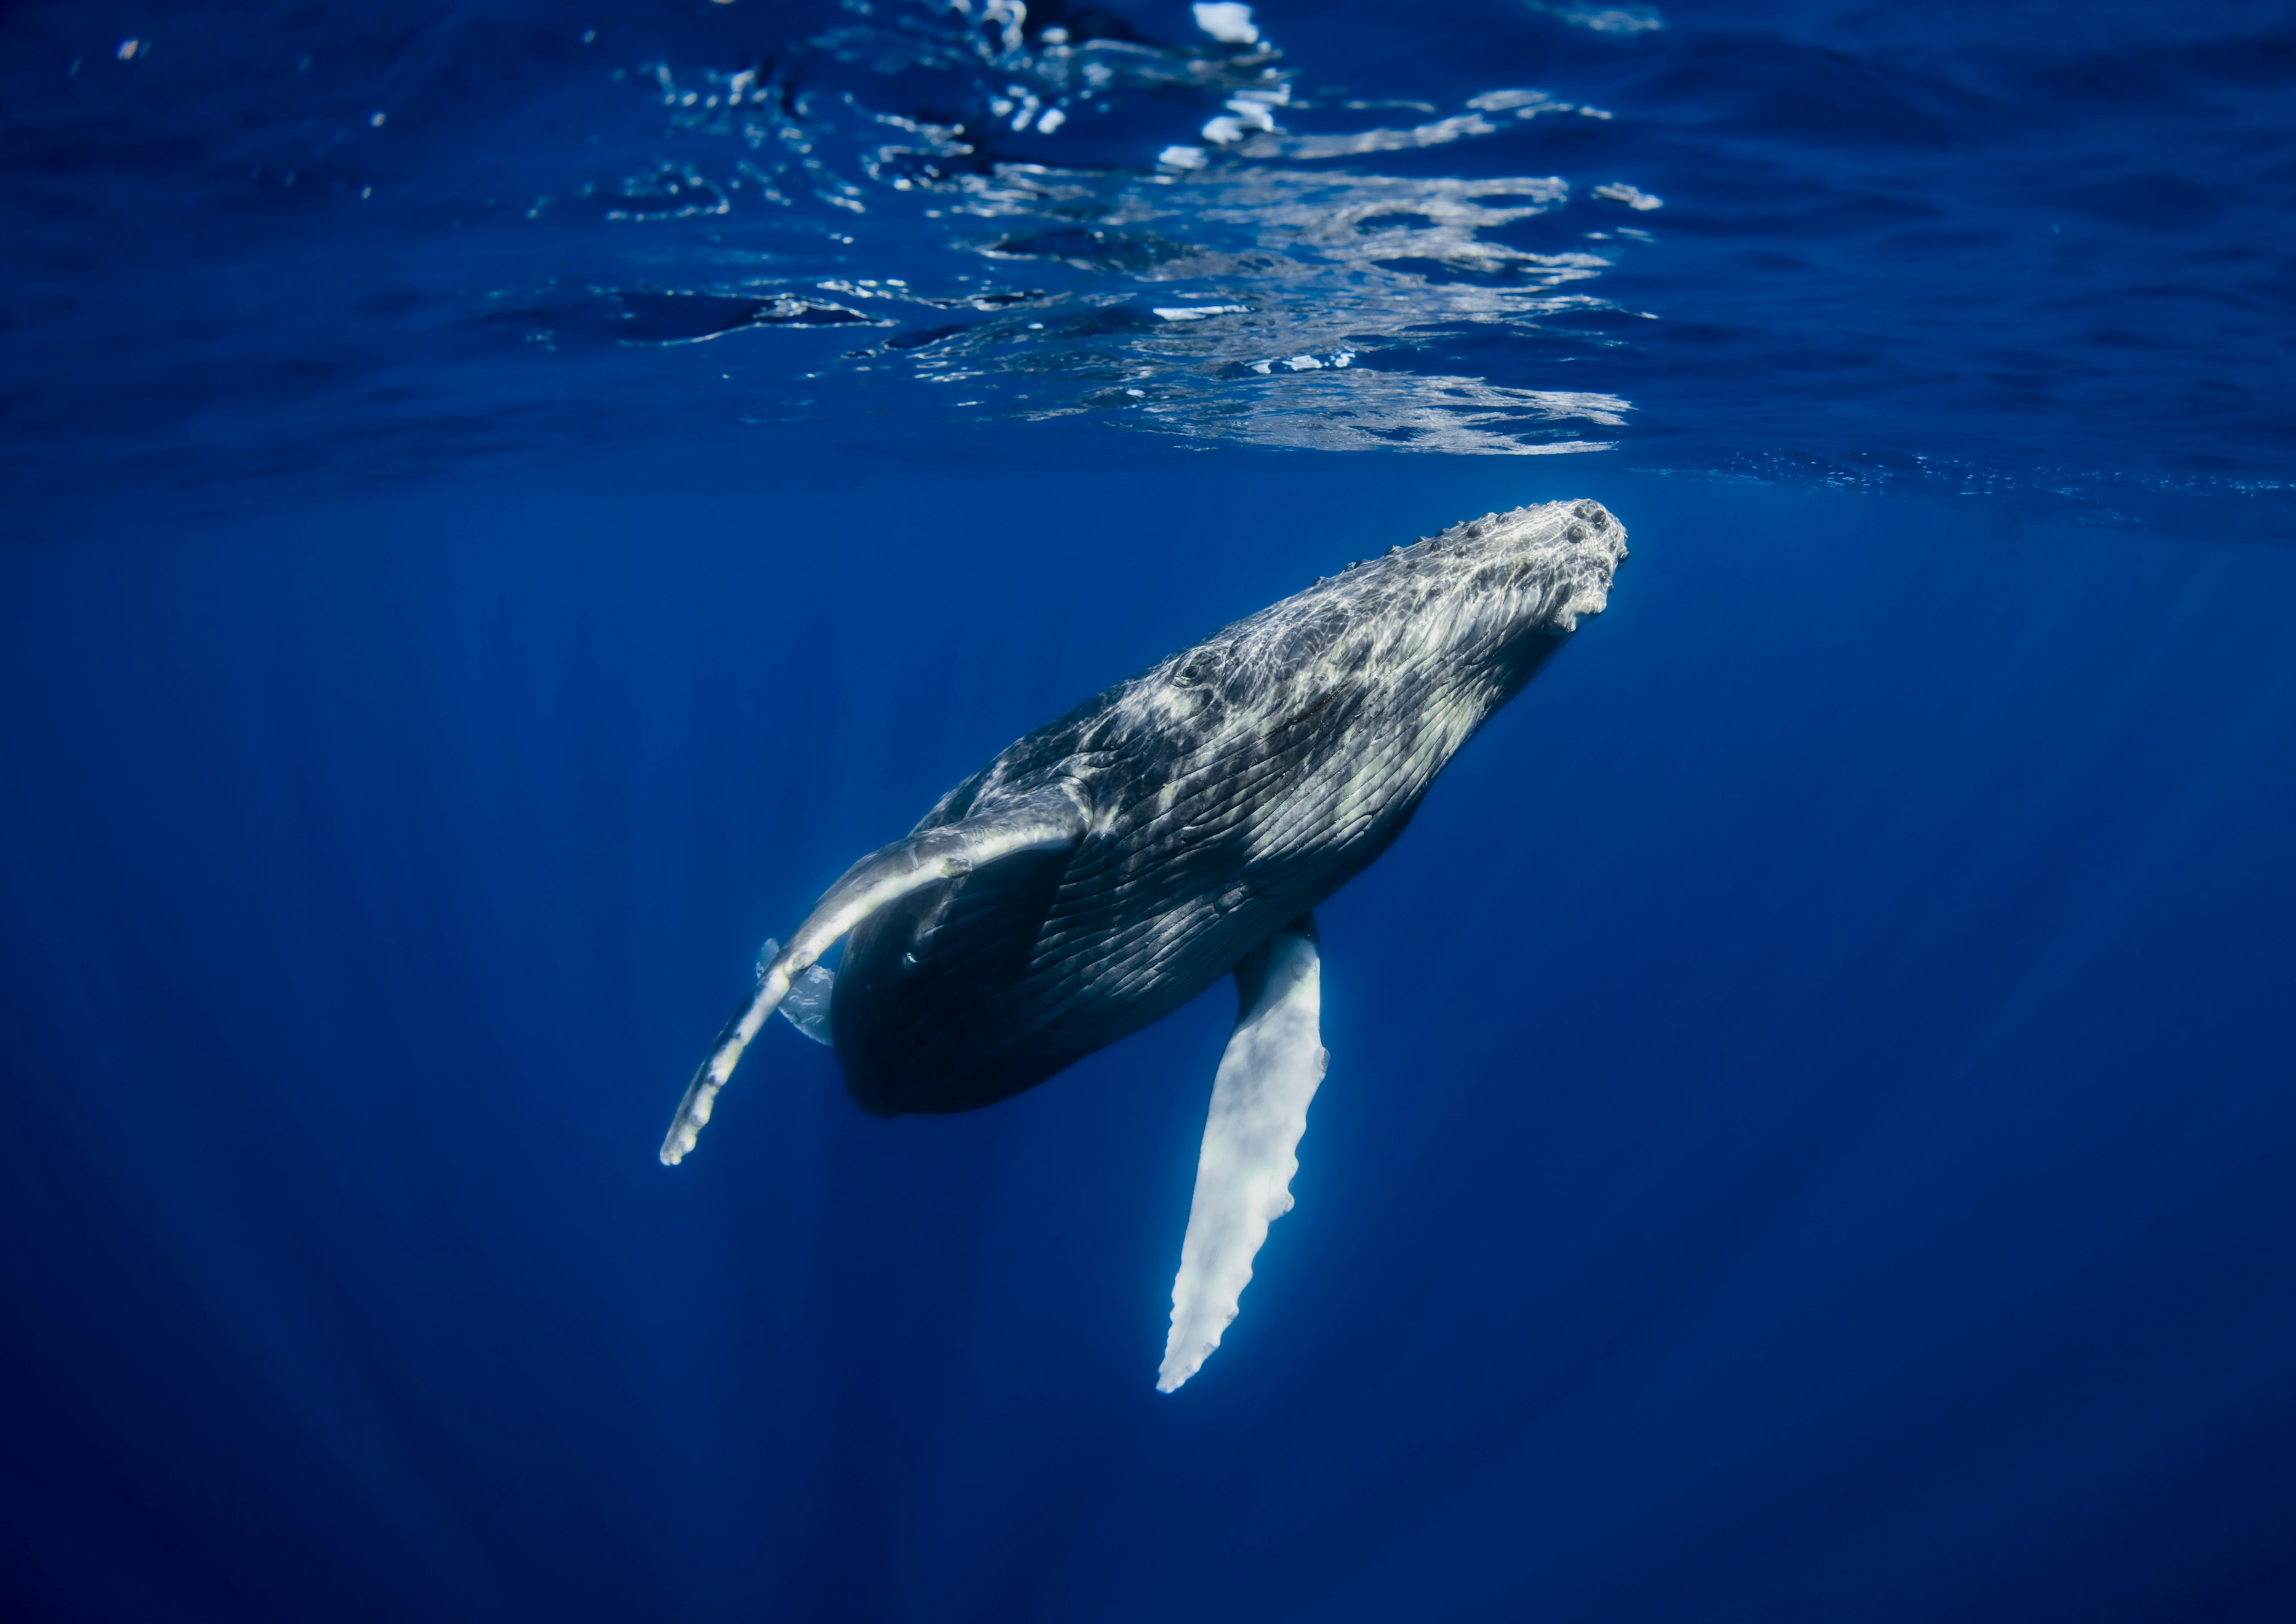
(1051, 819)
(1274, 1062)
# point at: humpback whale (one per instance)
(1177, 828)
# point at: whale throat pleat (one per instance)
(1274, 1062)
(1050, 819)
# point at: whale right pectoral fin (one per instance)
(1051, 819)
(1274, 1062)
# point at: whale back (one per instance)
(1231, 787)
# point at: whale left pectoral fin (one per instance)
(1274, 1062)
(1051, 819)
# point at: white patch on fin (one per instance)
(806, 1005)
(1274, 1060)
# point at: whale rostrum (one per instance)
(1179, 827)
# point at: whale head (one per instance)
(1481, 603)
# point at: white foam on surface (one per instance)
(1230, 24)
(1608, 19)
(1633, 197)
(1440, 131)
(1328, 258)
(1514, 101)
(1274, 1062)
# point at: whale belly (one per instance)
(975, 989)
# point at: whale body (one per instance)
(1179, 827)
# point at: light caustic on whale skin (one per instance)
(1177, 828)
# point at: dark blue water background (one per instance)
(1810, 1133)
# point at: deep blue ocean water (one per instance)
(503, 503)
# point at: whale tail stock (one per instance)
(1051, 819)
